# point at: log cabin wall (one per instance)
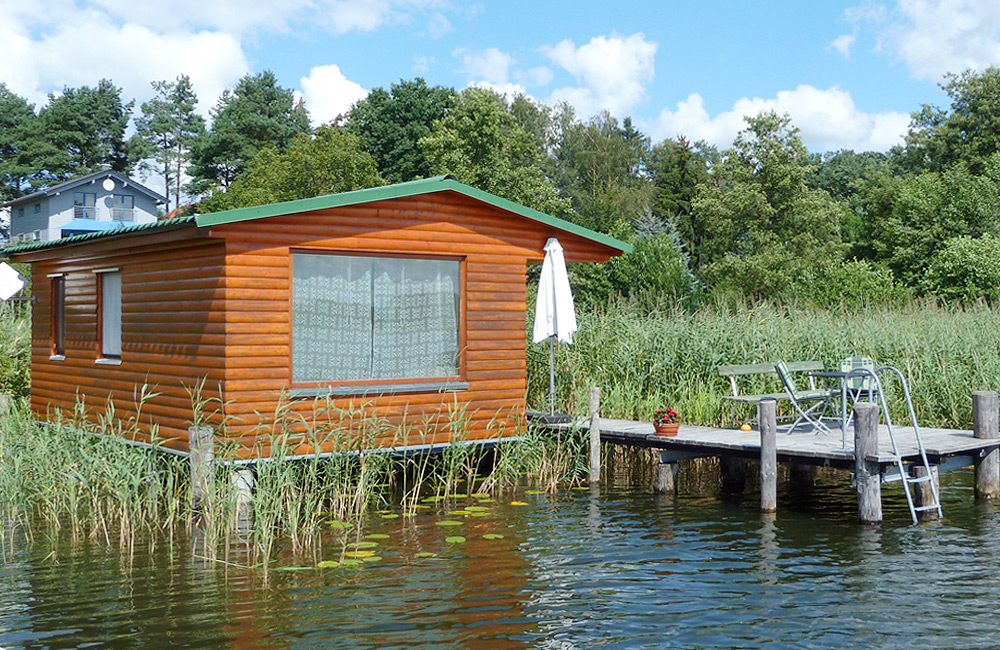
(494, 247)
(173, 329)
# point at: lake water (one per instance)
(616, 568)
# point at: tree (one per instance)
(167, 130)
(600, 167)
(765, 228)
(908, 218)
(16, 117)
(328, 163)
(968, 133)
(76, 133)
(677, 168)
(480, 143)
(257, 114)
(966, 269)
(391, 123)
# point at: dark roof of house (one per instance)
(94, 177)
(399, 190)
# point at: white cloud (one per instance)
(540, 76)
(328, 93)
(361, 15)
(438, 25)
(842, 44)
(934, 37)
(490, 66)
(508, 90)
(613, 72)
(828, 120)
(131, 55)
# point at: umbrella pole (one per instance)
(552, 377)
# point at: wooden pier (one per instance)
(946, 449)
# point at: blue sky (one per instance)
(849, 73)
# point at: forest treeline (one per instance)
(763, 219)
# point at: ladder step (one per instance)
(920, 479)
(924, 508)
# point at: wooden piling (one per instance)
(665, 481)
(866, 472)
(201, 453)
(767, 417)
(595, 436)
(984, 426)
(925, 492)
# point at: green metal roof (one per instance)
(399, 190)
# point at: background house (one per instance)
(99, 201)
(401, 304)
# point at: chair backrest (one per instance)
(785, 376)
(860, 382)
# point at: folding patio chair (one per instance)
(822, 397)
(860, 383)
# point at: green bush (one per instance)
(854, 284)
(966, 269)
(15, 350)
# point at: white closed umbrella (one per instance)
(555, 318)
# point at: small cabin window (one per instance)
(20, 212)
(58, 316)
(357, 319)
(110, 321)
(38, 208)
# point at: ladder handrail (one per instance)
(904, 479)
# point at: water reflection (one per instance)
(597, 568)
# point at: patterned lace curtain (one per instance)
(363, 318)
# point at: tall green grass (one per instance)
(643, 361)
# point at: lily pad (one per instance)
(297, 567)
(459, 512)
(492, 536)
(359, 554)
(350, 562)
(425, 554)
(377, 536)
(409, 514)
(457, 539)
(518, 503)
(480, 514)
(433, 499)
(481, 495)
(337, 524)
(477, 508)
(580, 487)
(364, 544)
(448, 522)
(328, 564)
(535, 492)
(392, 515)
(373, 558)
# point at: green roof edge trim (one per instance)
(402, 190)
(368, 195)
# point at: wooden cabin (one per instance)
(400, 308)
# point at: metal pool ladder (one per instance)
(904, 476)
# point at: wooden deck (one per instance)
(947, 448)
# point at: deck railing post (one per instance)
(866, 471)
(595, 436)
(201, 453)
(768, 422)
(984, 426)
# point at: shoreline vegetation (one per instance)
(59, 481)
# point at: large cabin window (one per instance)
(358, 319)
(110, 314)
(58, 288)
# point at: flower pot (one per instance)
(666, 430)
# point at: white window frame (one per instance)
(109, 321)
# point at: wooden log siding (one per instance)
(214, 303)
(496, 247)
(173, 332)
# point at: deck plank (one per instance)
(801, 445)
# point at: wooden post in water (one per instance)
(665, 481)
(925, 493)
(201, 453)
(768, 419)
(866, 472)
(984, 426)
(595, 435)
(242, 482)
